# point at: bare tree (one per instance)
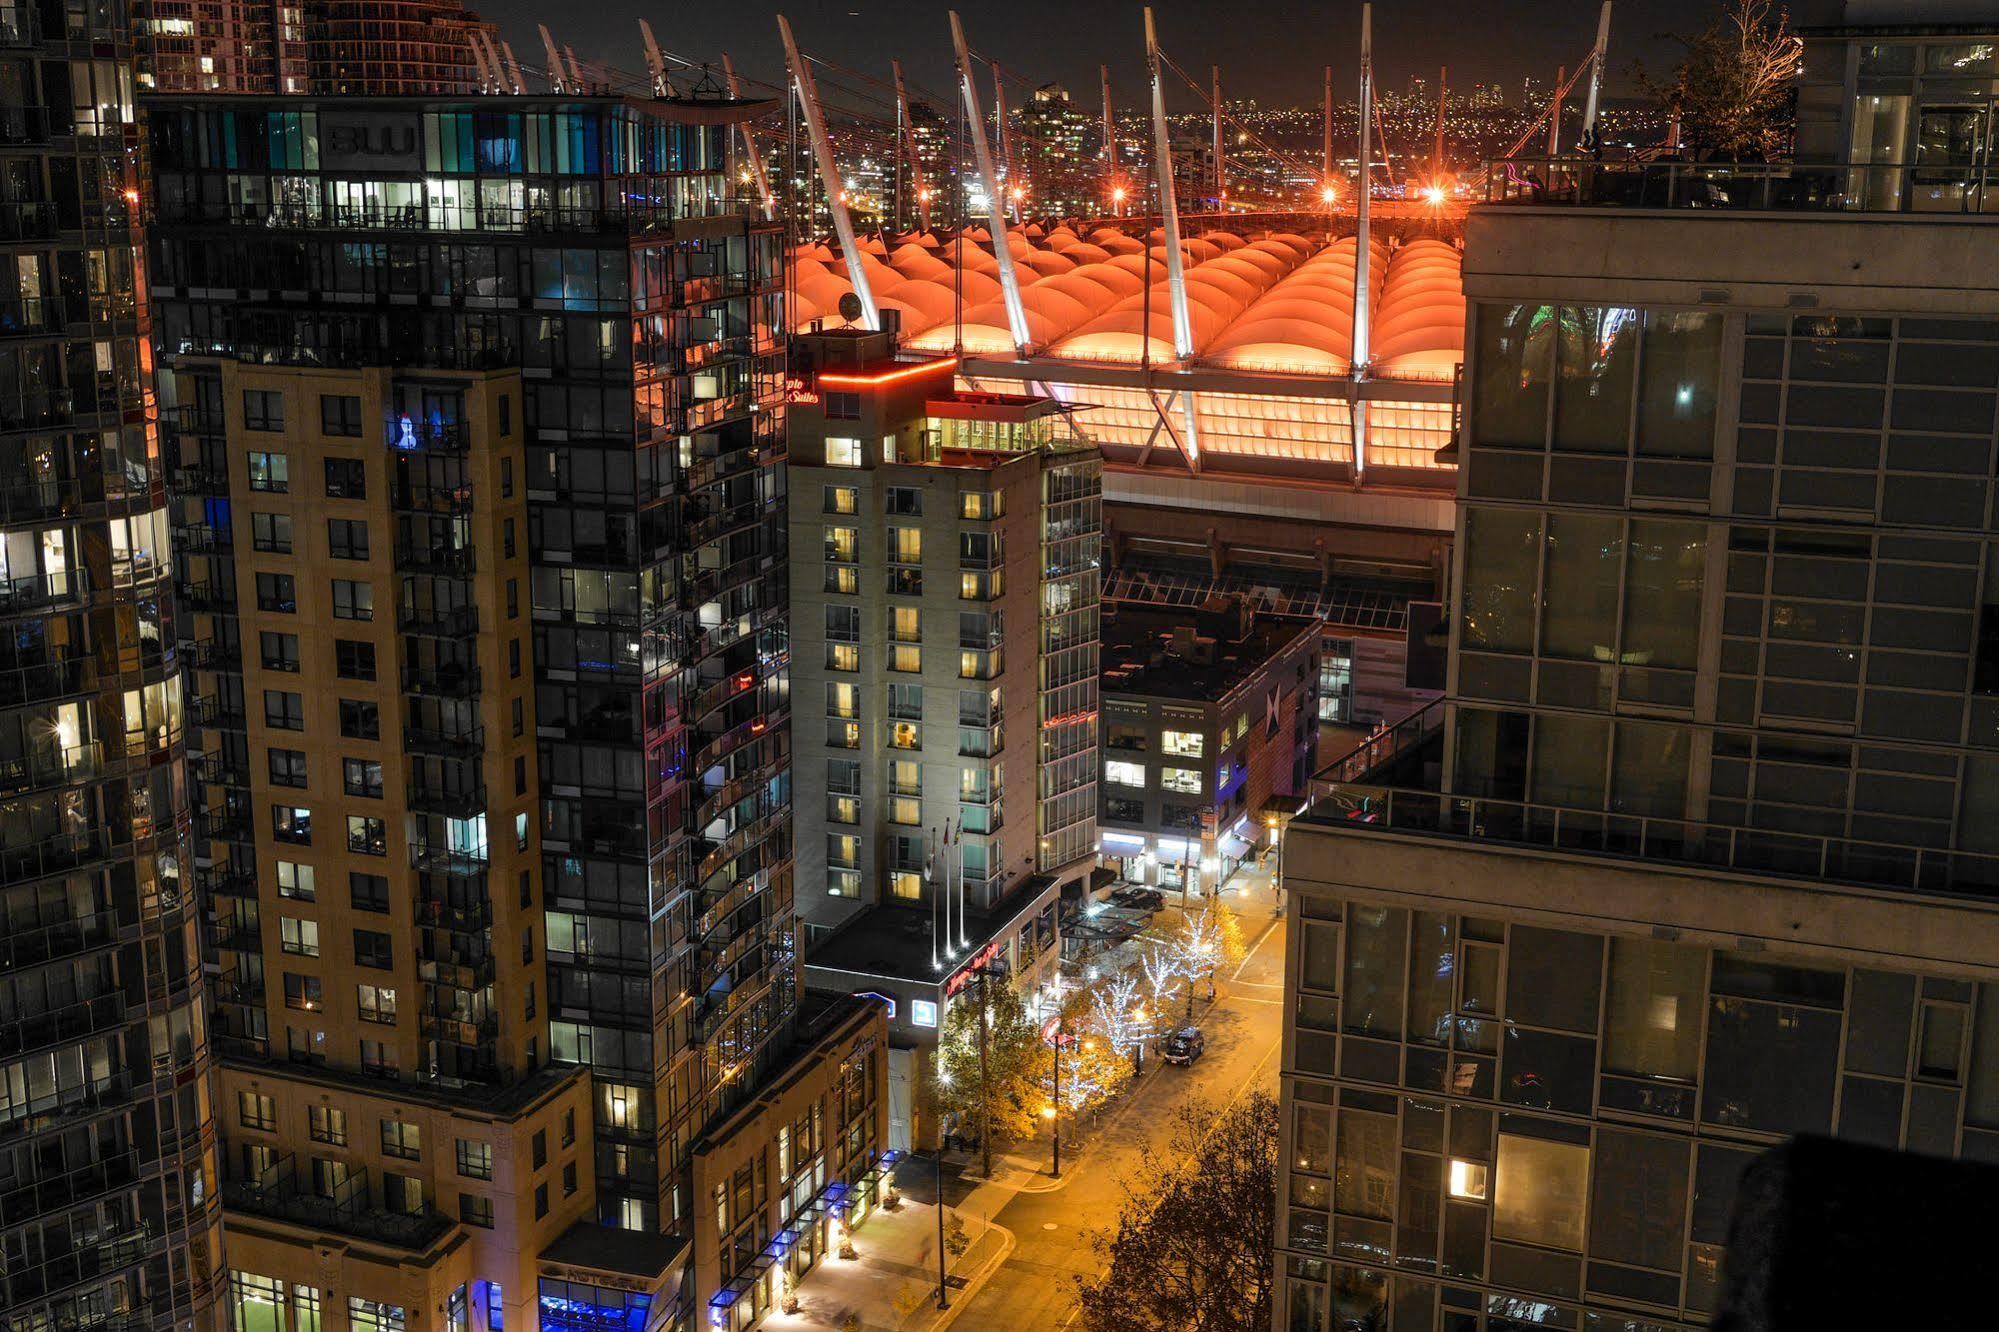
(1191, 1247)
(1732, 95)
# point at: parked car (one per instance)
(1183, 1046)
(1138, 898)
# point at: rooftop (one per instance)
(634, 1253)
(493, 1100)
(893, 941)
(1140, 657)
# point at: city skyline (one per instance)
(1259, 50)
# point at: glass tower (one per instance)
(109, 1214)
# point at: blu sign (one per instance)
(384, 140)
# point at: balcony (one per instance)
(49, 765)
(227, 881)
(213, 710)
(458, 971)
(29, 222)
(441, 912)
(451, 800)
(451, 680)
(71, 1022)
(466, 742)
(280, 1195)
(418, 495)
(409, 434)
(195, 480)
(438, 622)
(454, 560)
(1786, 187)
(483, 1031)
(33, 592)
(206, 597)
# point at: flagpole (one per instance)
(964, 935)
(930, 883)
(950, 951)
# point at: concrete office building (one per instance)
(944, 575)
(1205, 720)
(109, 1209)
(1698, 851)
(475, 410)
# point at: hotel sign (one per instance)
(962, 977)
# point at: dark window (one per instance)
(540, 1201)
(905, 501)
(373, 949)
(340, 414)
(568, 1178)
(507, 426)
(263, 409)
(271, 533)
(507, 537)
(506, 474)
(278, 593)
(360, 720)
(514, 658)
(370, 892)
(1554, 978)
(539, 1148)
(352, 600)
(302, 992)
(346, 478)
(284, 710)
(347, 538)
(843, 406)
(287, 767)
(279, 651)
(1770, 1066)
(352, 660)
(474, 1210)
(519, 717)
(361, 777)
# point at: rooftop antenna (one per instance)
(750, 149)
(1016, 313)
(1588, 140)
(829, 175)
(1358, 360)
(910, 147)
(557, 79)
(656, 63)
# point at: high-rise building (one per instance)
(482, 475)
(1698, 851)
(110, 1215)
(944, 574)
(383, 48)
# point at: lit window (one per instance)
(1184, 744)
(1120, 773)
(923, 1013)
(1467, 1180)
(906, 884)
(843, 453)
(1184, 781)
(843, 657)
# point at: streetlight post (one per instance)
(1056, 1172)
(943, 1300)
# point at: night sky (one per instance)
(1270, 49)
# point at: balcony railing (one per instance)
(438, 622)
(1661, 841)
(450, 681)
(1809, 187)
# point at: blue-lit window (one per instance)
(496, 1308)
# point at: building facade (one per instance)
(944, 551)
(1205, 720)
(383, 48)
(110, 1210)
(489, 392)
(1696, 854)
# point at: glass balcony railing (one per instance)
(1810, 187)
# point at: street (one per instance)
(1035, 1286)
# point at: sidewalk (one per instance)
(891, 1285)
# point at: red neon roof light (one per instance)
(836, 380)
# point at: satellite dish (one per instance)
(850, 307)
